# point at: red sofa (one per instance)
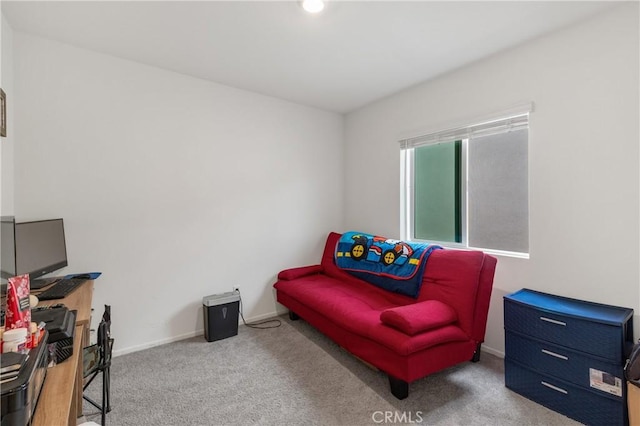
(404, 337)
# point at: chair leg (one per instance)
(103, 408)
(107, 378)
(293, 316)
(86, 398)
(86, 385)
(92, 402)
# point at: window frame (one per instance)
(407, 173)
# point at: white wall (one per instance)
(6, 143)
(175, 188)
(583, 157)
(2, 53)
(178, 188)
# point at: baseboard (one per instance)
(265, 316)
(492, 351)
(143, 346)
(189, 335)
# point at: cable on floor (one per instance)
(260, 324)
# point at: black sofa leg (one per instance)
(399, 388)
(293, 316)
(476, 354)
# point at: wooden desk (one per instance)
(60, 400)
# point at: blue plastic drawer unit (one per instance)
(568, 355)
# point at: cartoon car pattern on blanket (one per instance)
(380, 249)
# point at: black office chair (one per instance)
(97, 360)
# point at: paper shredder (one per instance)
(221, 315)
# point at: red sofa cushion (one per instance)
(419, 317)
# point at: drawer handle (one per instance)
(552, 321)
(544, 351)
(555, 388)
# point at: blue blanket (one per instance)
(390, 264)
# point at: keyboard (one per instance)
(39, 283)
(61, 289)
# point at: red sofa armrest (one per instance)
(418, 317)
(294, 273)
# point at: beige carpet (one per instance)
(293, 375)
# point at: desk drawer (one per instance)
(563, 363)
(558, 395)
(603, 340)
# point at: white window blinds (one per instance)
(513, 119)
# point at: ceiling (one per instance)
(351, 54)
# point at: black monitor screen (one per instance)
(7, 248)
(40, 247)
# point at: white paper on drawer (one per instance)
(605, 382)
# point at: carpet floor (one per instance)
(293, 375)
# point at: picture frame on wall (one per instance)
(3, 114)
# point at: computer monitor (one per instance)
(7, 248)
(40, 247)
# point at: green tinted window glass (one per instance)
(437, 192)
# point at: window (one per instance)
(468, 186)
